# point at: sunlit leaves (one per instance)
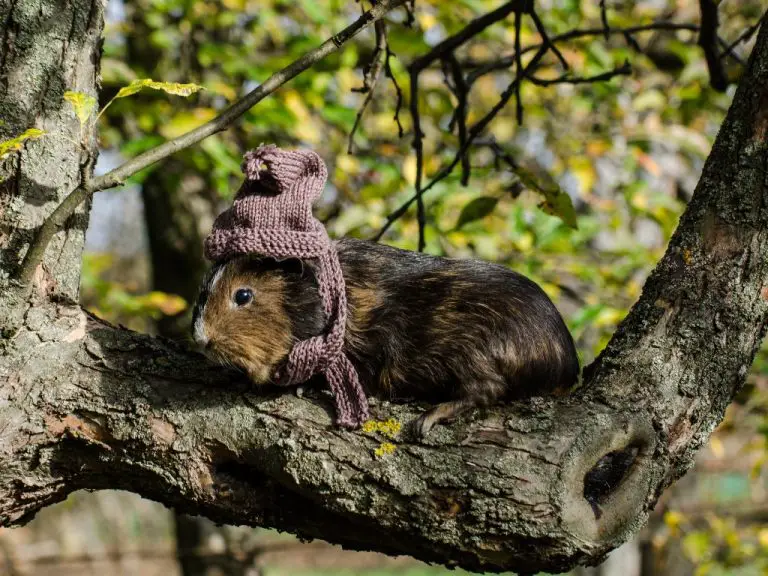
(115, 302)
(175, 88)
(7, 147)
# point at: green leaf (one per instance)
(82, 103)
(14, 144)
(476, 209)
(169, 87)
(556, 202)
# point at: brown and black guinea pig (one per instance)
(457, 333)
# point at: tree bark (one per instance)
(538, 485)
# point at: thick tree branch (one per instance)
(118, 176)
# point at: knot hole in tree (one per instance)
(607, 476)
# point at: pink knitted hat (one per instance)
(272, 216)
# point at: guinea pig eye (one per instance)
(243, 296)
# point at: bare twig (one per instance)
(472, 134)
(371, 77)
(472, 29)
(545, 40)
(410, 10)
(623, 70)
(604, 20)
(743, 37)
(461, 91)
(708, 41)
(118, 176)
(519, 69)
(418, 147)
(440, 51)
(399, 103)
(506, 61)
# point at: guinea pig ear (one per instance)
(292, 266)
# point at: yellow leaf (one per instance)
(409, 169)
(584, 171)
(762, 537)
(14, 144)
(716, 445)
(185, 121)
(348, 164)
(426, 20)
(639, 201)
(673, 520)
(82, 103)
(608, 317)
(169, 87)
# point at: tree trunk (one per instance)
(538, 485)
(46, 48)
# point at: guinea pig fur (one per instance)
(457, 333)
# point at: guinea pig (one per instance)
(456, 333)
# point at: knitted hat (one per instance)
(272, 216)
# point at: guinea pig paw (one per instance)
(419, 427)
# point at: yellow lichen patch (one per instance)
(389, 428)
(385, 449)
(687, 257)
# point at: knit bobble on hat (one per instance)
(274, 201)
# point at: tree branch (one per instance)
(481, 69)
(708, 40)
(623, 70)
(743, 37)
(118, 176)
(371, 77)
(531, 486)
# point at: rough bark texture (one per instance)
(532, 486)
(46, 48)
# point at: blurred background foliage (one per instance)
(625, 154)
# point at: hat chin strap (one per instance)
(324, 354)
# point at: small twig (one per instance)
(370, 78)
(623, 70)
(743, 37)
(472, 134)
(118, 176)
(604, 20)
(399, 104)
(418, 147)
(545, 40)
(632, 43)
(440, 51)
(507, 61)
(708, 40)
(470, 30)
(410, 11)
(460, 90)
(519, 69)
